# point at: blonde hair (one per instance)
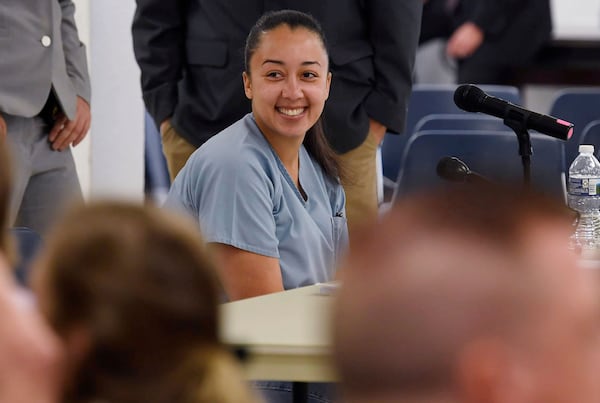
(138, 280)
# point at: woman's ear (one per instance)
(247, 85)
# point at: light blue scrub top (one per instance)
(237, 188)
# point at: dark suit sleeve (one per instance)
(394, 34)
(492, 16)
(158, 42)
(74, 50)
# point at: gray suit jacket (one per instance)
(40, 50)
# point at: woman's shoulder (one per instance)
(239, 146)
(239, 151)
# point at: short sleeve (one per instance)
(232, 198)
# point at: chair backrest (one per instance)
(459, 121)
(579, 106)
(493, 154)
(591, 135)
(28, 242)
(427, 99)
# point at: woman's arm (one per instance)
(245, 274)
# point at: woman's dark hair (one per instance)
(315, 141)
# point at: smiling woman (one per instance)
(266, 190)
(288, 86)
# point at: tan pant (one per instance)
(360, 184)
(176, 149)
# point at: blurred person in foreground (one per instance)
(469, 295)
(133, 295)
(30, 352)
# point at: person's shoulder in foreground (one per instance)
(469, 294)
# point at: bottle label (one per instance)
(584, 186)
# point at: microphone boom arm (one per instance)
(518, 123)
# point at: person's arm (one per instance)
(484, 19)
(66, 132)
(158, 31)
(464, 41)
(75, 56)
(231, 194)
(394, 35)
(493, 16)
(245, 274)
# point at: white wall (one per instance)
(576, 18)
(83, 151)
(111, 163)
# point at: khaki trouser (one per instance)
(360, 184)
(176, 149)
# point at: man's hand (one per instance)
(164, 125)
(464, 41)
(377, 130)
(3, 128)
(66, 132)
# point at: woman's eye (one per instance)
(309, 74)
(273, 74)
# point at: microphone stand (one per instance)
(517, 123)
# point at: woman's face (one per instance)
(288, 82)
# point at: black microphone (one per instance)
(472, 99)
(454, 170)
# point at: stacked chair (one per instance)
(492, 154)
(433, 105)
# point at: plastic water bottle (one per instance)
(584, 197)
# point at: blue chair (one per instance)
(427, 99)
(493, 154)
(579, 106)
(591, 135)
(28, 243)
(459, 121)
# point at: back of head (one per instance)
(442, 270)
(134, 283)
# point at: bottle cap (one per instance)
(586, 148)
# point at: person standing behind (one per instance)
(191, 59)
(44, 105)
(488, 38)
